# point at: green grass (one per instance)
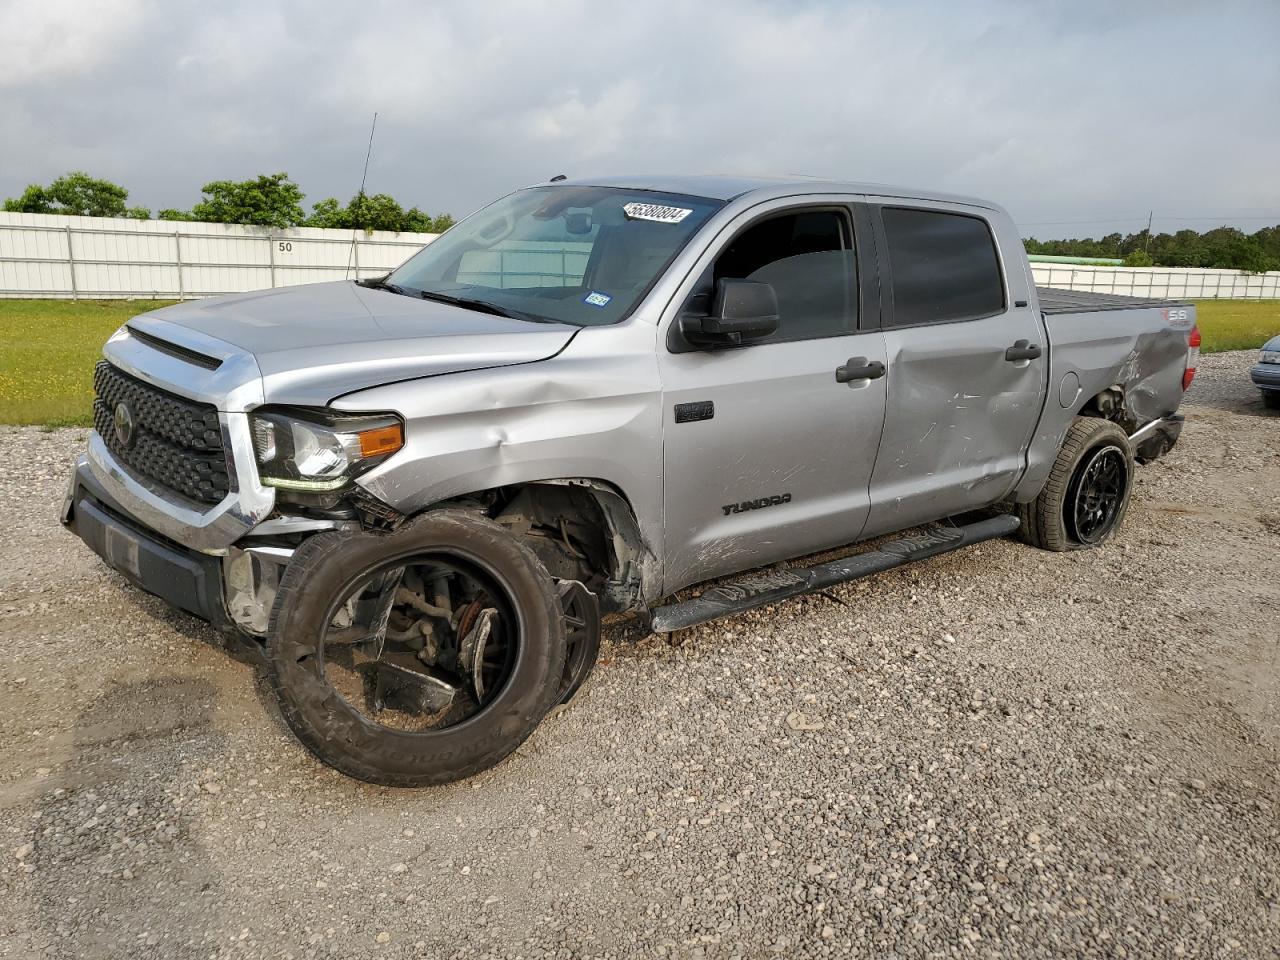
(1236, 324)
(47, 352)
(48, 349)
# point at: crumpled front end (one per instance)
(168, 483)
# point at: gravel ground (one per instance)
(997, 753)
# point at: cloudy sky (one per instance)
(1078, 116)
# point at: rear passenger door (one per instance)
(961, 407)
(767, 451)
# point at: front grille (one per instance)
(175, 442)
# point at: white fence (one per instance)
(1174, 283)
(100, 257)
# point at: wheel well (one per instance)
(581, 529)
(1109, 404)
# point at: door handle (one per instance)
(1023, 350)
(859, 368)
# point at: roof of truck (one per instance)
(729, 187)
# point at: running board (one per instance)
(771, 586)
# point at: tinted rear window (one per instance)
(944, 267)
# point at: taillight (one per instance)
(1193, 355)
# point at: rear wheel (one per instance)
(1087, 494)
(418, 657)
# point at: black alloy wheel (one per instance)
(581, 634)
(1096, 495)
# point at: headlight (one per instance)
(1271, 356)
(313, 450)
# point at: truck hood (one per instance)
(316, 342)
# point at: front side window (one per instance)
(808, 259)
(944, 266)
(578, 255)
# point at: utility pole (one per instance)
(1146, 244)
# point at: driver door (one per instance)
(767, 455)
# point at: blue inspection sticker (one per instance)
(597, 299)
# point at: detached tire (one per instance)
(1087, 494)
(323, 573)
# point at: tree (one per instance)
(271, 200)
(377, 212)
(1223, 248)
(34, 199)
(328, 213)
(1268, 238)
(79, 195)
(1183, 249)
(415, 221)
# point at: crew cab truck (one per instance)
(416, 496)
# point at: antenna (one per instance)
(360, 196)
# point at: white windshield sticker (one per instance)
(655, 212)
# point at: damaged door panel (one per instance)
(954, 409)
(967, 359)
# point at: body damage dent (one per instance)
(635, 563)
(954, 403)
(1143, 367)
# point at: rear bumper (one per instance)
(1157, 438)
(183, 578)
(1266, 376)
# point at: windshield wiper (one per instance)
(481, 306)
(380, 283)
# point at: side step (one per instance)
(770, 586)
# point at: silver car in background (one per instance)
(1265, 374)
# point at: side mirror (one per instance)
(743, 310)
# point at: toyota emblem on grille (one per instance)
(123, 419)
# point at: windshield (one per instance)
(579, 255)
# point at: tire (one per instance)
(1048, 521)
(1271, 399)
(324, 571)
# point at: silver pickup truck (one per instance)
(415, 497)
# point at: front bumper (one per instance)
(184, 578)
(1265, 376)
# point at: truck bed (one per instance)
(1055, 301)
(1100, 342)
